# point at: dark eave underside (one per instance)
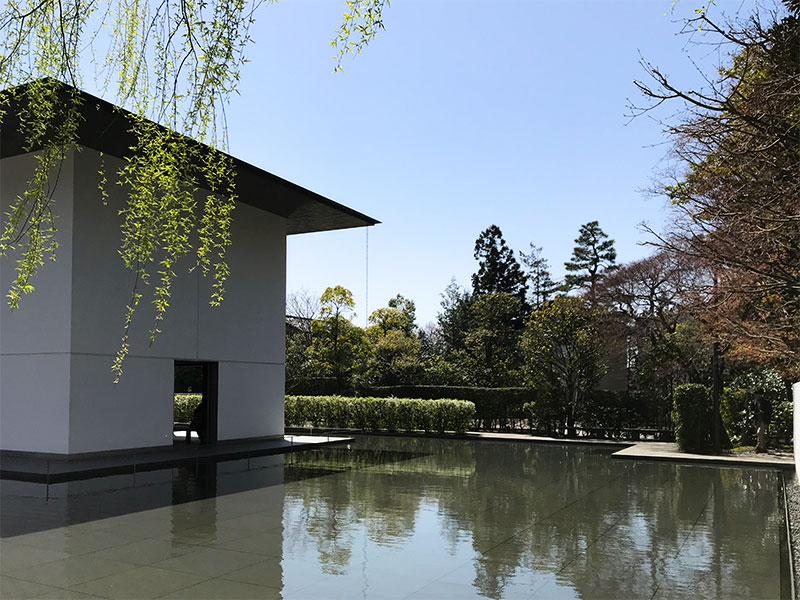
(104, 127)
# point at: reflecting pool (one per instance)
(402, 518)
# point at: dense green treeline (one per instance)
(605, 348)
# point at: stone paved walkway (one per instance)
(669, 451)
(524, 437)
(648, 450)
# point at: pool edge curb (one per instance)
(638, 452)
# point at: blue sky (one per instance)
(460, 115)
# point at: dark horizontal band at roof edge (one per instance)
(104, 127)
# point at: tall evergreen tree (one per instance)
(455, 318)
(593, 254)
(541, 284)
(492, 343)
(498, 270)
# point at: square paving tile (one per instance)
(71, 571)
(137, 529)
(142, 582)
(255, 522)
(11, 587)
(62, 594)
(204, 535)
(144, 552)
(210, 562)
(266, 544)
(268, 573)
(225, 589)
(200, 512)
(15, 556)
(72, 542)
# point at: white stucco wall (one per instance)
(134, 413)
(243, 390)
(35, 339)
(34, 402)
(85, 325)
(245, 335)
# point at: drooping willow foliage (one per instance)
(173, 63)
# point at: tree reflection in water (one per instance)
(516, 519)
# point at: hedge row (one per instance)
(613, 409)
(494, 407)
(379, 414)
(184, 407)
(318, 386)
(692, 417)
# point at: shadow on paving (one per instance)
(27, 507)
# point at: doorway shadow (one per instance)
(196, 385)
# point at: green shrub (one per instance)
(379, 414)
(494, 407)
(184, 405)
(691, 415)
(737, 414)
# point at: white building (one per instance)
(56, 386)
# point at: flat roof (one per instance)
(105, 127)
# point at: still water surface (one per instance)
(409, 518)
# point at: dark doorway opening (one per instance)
(197, 417)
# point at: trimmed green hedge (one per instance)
(184, 407)
(692, 417)
(379, 414)
(317, 386)
(612, 410)
(494, 407)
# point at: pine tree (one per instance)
(498, 270)
(593, 254)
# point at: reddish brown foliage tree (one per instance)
(737, 205)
